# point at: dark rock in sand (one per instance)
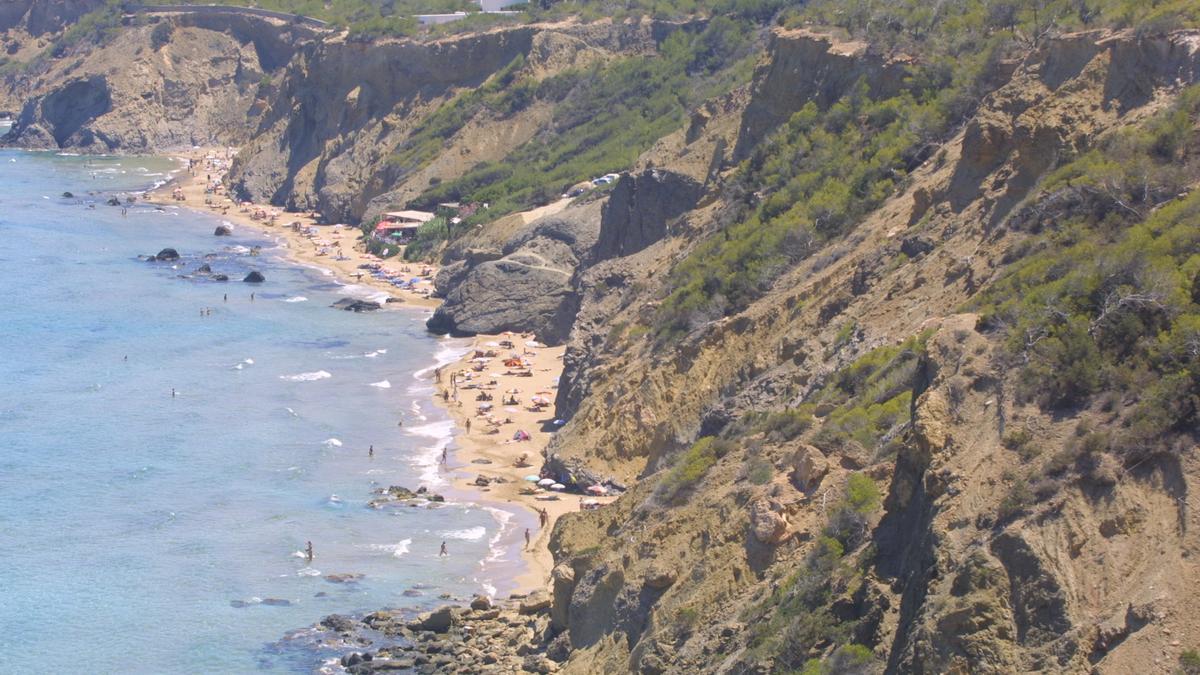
(338, 622)
(167, 254)
(204, 269)
(482, 481)
(220, 277)
(223, 231)
(254, 277)
(355, 305)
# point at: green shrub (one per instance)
(691, 466)
(1189, 662)
(1016, 500)
(161, 34)
(759, 471)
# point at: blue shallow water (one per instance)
(132, 522)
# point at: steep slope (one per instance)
(806, 388)
(179, 82)
(359, 128)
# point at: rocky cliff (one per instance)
(174, 83)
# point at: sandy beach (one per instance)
(517, 373)
(335, 248)
(500, 442)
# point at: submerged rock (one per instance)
(223, 231)
(355, 305)
(254, 277)
(167, 254)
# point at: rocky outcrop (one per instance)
(640, 209)
(529, 289)
(254, 277)
(810, 67)
(204, 86)
(39, 17)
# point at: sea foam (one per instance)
(306, 377)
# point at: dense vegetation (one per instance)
(824, 169)
(1103, 299)
(604, 117)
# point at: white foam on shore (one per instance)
(468, 534)
(309, 572)
(298, 298)
(307, 377)
(427, 459)
(449, 351)
(377, 352)
(332, 443)
(364, 293)
(495, 547)
(398, 550)
(382, 384)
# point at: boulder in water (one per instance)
(223, 231)
(354, 305)
(254, 277)
(68, 195)
(113, 201)
(167, 254)
(220, 277)
(204, 269)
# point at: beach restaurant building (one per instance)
(402, 225)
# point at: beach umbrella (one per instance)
(558, 486)
(532, 478)
(545, 482)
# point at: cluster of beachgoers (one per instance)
(500, 393)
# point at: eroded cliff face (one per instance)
(206, 83)
(1091, 578)
(345, 108)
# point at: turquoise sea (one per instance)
(142, 533)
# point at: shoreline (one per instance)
(470, 455)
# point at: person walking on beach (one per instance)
(527, 539)
(468, 426)
(443, 551)
(443, 455)
(543, 517)
(308, 552)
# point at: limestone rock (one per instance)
(223, 231)
(809, 466)
(537, 601)
(767, 522)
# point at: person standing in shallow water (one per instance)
(371, 451)
(308, 552)
(443, 551)
(527, 539)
